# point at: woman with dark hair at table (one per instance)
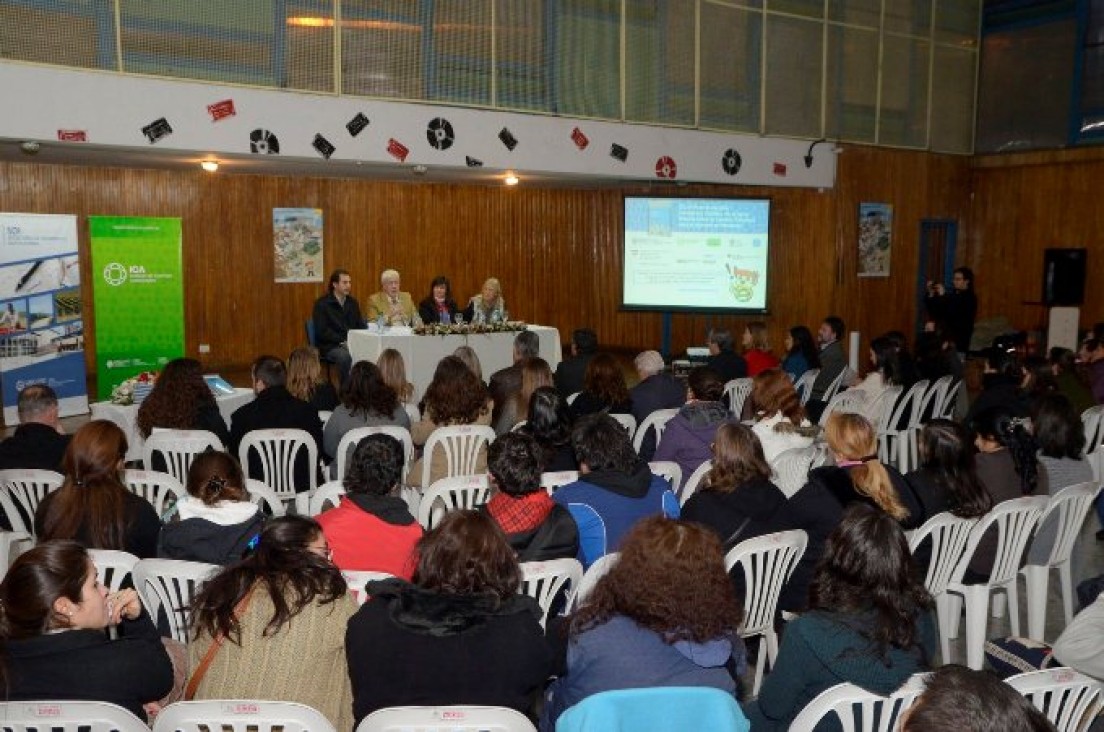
(306, 382)
(461, 632)
(438, 306)
(181, 400)
(869, 622)
(93, 506)
(550, 421)
(53, 617)
(454, 397)
(604, 388)
(272, 625)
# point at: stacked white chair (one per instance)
(1014, 520)
(554, 479)
(1067, 510)
(593, 573)
(845, 377)
(352, 438)
(278, 450)
(948, 534)
(169, 585)
(657, 422)
(950, 401)
(68, 716)
(893, 428)
(112, 567)
(669, 471)
(846, 401)
(22, 490)
(160, 489)
(694, 482)
(804, 385)
(544, 581)
(461, 444)
(860, 710)
(1070, 700)
(263, 496)
(1093, 424)
(791, 468)
(736, 393)
(178, 448)
(767, 563)
(9, 541)
(359, 579)
(445, 719)
(240, 715)
(452, 494)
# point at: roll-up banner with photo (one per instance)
(41, 327)
(138, 291)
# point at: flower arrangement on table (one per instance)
(442, 329)
(134, 389)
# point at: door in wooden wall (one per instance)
(937, 256)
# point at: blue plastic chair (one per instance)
(656, 709)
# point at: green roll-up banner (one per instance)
(138, 291)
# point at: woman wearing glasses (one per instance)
(272, 626)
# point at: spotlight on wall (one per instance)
(511, 179)
(30, 147)
(209, 165)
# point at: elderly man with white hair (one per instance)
(394, 306)
(656, 390)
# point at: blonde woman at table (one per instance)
(181, 400)
(454, 397)
(393, 369)
(488, 306)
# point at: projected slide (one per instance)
(695, 254)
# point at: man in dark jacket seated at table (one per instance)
(335, 314)
(274, 408)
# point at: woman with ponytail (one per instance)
(216, 519)
(93, 507)
(857, 477)
(53, 613)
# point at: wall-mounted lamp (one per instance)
(511, 179)
(209, 165)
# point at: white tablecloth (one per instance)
(422, 352)
(124, 416)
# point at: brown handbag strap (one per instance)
(216, 644)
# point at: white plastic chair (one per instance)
(240, 715)
(9, 540)
(170, 584)
(112, 567)
(887, 413)
(948, 534)
(445, 719)
(694, 481)
(791, 468)
(358, 580)
(517, 427)
(656, 421)
(594, 572)
(68, 716)
(572, 397)
(1068, 507)
(452, 494)
(22, 490)
(1069, 699)
(736, 393)
(669, 470)
(324, 416)
(767, 563)
(262, 495)
(160, 489)
(543, 581)
(278, 450)
(314, 502)
(846, 401)
(352, 438)
(552, 480)
(1014, 520)
(950, 401)
(462, 445)
(804, 385)
(860, 710)
(178, 448)
(627, 421)
(932, 404)
(844, 378)
(1092, 419)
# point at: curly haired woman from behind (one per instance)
(181, 400)
(665, 615)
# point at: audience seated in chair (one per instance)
(550, 422)
(505, 384)
(216, 521)
(615, 488)
(372, 528)
(54, 616)
(869, 622)
(958, 699)
(180, 400)
(93, 506)
(832, 363)
(656, 390)
(306, 382)
(757, 351)
(39, 441)
(604, 388)
(459, 634)
(537, 527)
(665, 615)
(780, 422)
(454, 397)
(273, 408)
(801, 352)
(572, 370)
(366, 401)
(274, 625)
(535, 374)
(723, 359)
(688, 438)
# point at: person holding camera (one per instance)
(954, 311)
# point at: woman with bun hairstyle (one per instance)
(93, 507)
(53, 616)
(216, 520)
